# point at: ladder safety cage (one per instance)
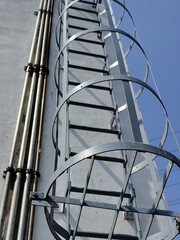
(101, 152)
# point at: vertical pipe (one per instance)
(19, 120)
(32, 210)
(16, 192)
(25, 199)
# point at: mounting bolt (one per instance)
(37, 195)
(128, 216)
(34, 196)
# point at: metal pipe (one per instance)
(16, 193)
(36, 169)
(32, 209)
(9, 174)
(27, 185)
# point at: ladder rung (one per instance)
(92, 86)
(77, 27)
(88, 2)
(100, 192)
(89, 41)
(104, 235)
(84, 19)
(91, 105)
(88, 69)
(84, 10)
(93, 129)
(87, 53)
(104, 158)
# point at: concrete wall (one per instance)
(17, 23)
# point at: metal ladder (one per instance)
(97, 150)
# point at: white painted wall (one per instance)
(17, 23)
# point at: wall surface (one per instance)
(17, 23)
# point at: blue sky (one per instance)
(158, 27)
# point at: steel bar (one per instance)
(92, 86)
(89, 41)
(87, 53)
(88, 2)
(52, 202)
(19, 120)
(84, 10)
(157, 199)
(64, 135)
(83, 196)
(58, 95)
(65, 127)
(87, 68)
(105, 158)
(100, 192)
(105, 235)
(88, 105)
(94, 129)
(76, 27)
(126, 182)
(84, 19)
(16, 192)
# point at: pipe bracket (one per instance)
(29, 68)
(37, 173)
(33, 173)
(8, 169)
(43, 70)
(36, 68)
(49, 12)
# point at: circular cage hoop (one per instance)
(104, 79)
(130, 146)
(107, 147)
(95, 30)
(122, 16)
